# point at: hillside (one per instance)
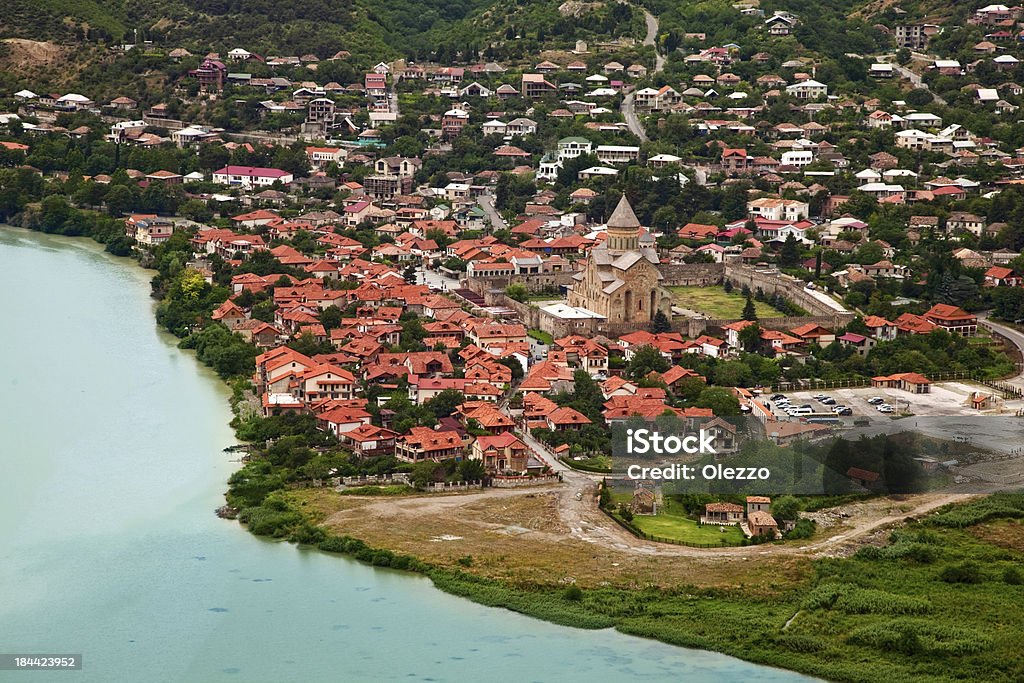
(321, 27)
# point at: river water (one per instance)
(110, 470)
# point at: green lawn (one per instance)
(671, 522)
(716, 303)
(541, 336)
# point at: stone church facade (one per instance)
(621, 280)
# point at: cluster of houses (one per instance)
(754, 519)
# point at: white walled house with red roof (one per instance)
(251, 176)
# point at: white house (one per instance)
(617, 154)
(774, 209)
(807, 90)
(251, 176)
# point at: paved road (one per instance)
(914, 79)
(628, 108)
(486, 203)
(1016, 338)
(632, 121)
(651, 39)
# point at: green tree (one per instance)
(331, 317)
(786, 507)
(470, 470)
(660, 323)
(749, 311)
(720, 400)
(445, 402)
(645, 360)
(517, 291)
(789, 255)
(750, 338)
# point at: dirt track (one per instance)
(581, 520)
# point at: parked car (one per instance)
(844, 411)
(828, 401)
(876, 400)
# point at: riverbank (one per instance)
(107, 520)
(897, 609)
(737, 605)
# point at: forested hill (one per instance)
(321, 27)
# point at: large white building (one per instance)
(774, 209)
(807, 90)
(251, 176)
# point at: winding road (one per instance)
(628, 107)
(1016, 337)
(486, 202)
(914, 78)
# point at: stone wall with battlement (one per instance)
(534, 282)
(690, 275)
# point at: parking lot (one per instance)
(944, 413)
(944, 399)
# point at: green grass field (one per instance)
(671, 522)
(716, 303)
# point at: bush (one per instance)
(965, 572)
(625, 513)
(1004, 505)
(1012, 576)
(799, 643)
(914, 637)
(308, 535)
(465, 561)
(265, 521)
(804, 528)
(573, 594)
(852, 599)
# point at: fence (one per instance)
(518, 482)
(1009, 391)
(449, 486)
(374, 480)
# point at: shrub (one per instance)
(800, 643)
(1013, 576)
(914, 637)
(965, 572)
(308, 534)
(266, 521)
(804, 528)
(625, 513)
(465, 561)
(573, 594)
(977, 511)
(851, 599)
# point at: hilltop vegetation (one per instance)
(320, 27)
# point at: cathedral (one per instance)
(621, 280)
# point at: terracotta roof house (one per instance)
(953, 319)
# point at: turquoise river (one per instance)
(111, 466)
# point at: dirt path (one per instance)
(581, 519)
